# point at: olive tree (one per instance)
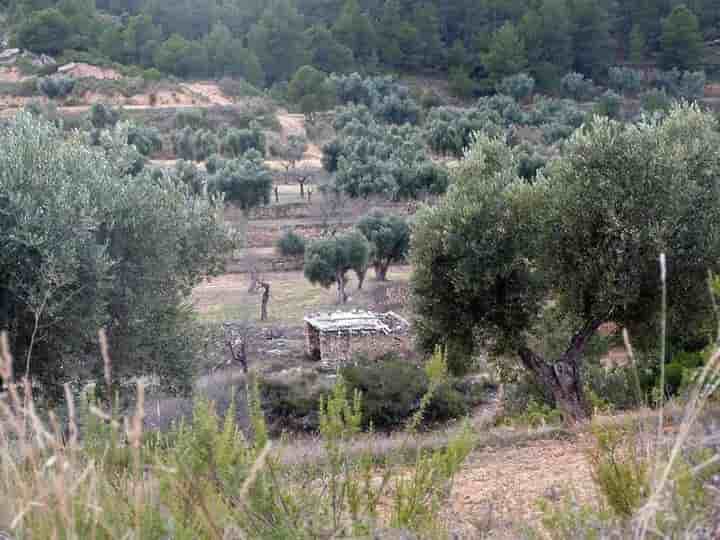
(83, 245)
(327, 261)
(499, 257)
(389, 237)
(246, 182)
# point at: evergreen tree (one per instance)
(140, 39)
(637, 45)
(327, 54)
(591, 37)
(312, 91)
(45, 31)
(279, 41)
(389, 25)
(506, 55)
(547, 33)
(354, 29)
(681, 40)
(427, 27)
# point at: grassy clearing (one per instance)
(292, 296)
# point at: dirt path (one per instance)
(294, 124)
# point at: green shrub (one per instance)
(291, 244)
(103, 116)
(620, 388)
(147, 140)
(575, 86)
(392, 390)
(56, 87)
(291, 403)
(238, 141)
(654, 101)
(610, 105)
(518, 86)
(193, 118)
(625, 80)
(619, 469)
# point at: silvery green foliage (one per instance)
(448, 130)
(56, 87)
(625, 80)
(576, 86)
(387, 100)
(550, 110)
(587, 232)
(245, 182)
(328, 260)
(609, 104)
(518, 86)
(195, 145)
(682, 84)
(84, 245)
(374, 159)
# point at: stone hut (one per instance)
(335, 338)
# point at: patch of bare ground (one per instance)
(209, 92)
(294, 124)
(499, 487)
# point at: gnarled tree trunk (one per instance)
(341, 296)
(563, 376)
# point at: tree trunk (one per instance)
(361, 279)
(253, 279)
(342, 297)
(563, 376)
(381, 270)
(265, 300)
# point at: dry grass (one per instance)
(292, 297)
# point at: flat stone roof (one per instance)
(359, 321)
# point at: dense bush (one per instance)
(374, 159)
(291, 244)
(655, 101)
(449, 131)
(576, 86)
(518, 86)
(610, 105)
(103, 116)
(387, 100)
(682, 84)
(193, 118)
(625, 80)
(187, 174)
(392, 390)
(56, 87)
(94, 213)
(195, 145)
(245, 182)
(147, 140)
(238, 141)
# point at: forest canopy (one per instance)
(478, 42)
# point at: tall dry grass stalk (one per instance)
(666, 461)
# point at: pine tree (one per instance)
(547, 32)
(637, 45)
(591, 37)
(507, 54)
(681, 40)
(355, 30)
(279, 41)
